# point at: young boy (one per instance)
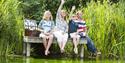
(82, 30)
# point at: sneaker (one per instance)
(98, 53)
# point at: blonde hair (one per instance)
(78, 12)
(64, 11)
(45, 15)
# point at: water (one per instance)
(42, 60)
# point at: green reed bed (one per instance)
(11, 27)
(106, 22)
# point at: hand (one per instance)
(76, 33)
(73, 7)
(38, 29)
(63, 33)
(47, 34)
(62, 1)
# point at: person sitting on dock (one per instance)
(81, 31)
(46, 26)
(61, 28)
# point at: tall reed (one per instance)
(106, 22)
(11, 27)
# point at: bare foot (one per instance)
(76, 50)
(46, 53)
(62, 50)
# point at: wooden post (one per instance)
(24, 48)
(83, 41)
(28, 49)
(82, 51)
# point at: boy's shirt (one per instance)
(81, 26)
(72, 26)
(77, 25)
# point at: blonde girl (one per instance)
(46, 26)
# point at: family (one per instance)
(62, 30)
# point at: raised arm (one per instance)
(72, 10)
(58, 16)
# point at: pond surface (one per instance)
(41, 60)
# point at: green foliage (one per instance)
(34, 9)
(11, 27)
(106, 23)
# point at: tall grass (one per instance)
(11, 27)
(106, 22)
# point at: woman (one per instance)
(61, 28)
(46, 25)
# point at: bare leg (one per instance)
(60, 45)
(75, 42)
(61, 48)
(59, 39)
(49, 44)
(65, 37)
(45, 42)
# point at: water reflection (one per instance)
(32, 60)
(27, 60)
(40, 60)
